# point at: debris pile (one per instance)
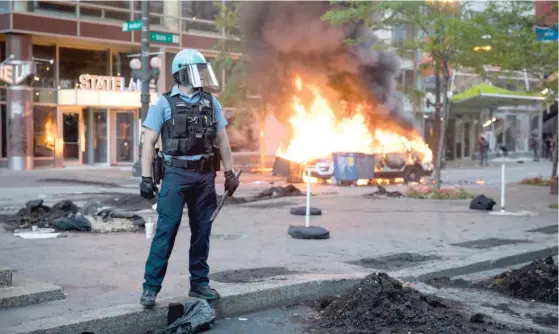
(67, 216)
(274, 192)
(381, 304)
(535, 281)
(383, 192)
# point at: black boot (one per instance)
(204, 292)
(148, 298)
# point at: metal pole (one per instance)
(502, 187)
(145, 96)
(308, 213)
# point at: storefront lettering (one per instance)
(15, 72)
(100, 82)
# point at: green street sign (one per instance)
(164, 37)
(132, 25)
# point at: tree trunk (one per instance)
(437, 154)
(554, 155)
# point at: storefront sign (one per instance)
(15, 72)
(100, 82)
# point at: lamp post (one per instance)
(145, 75)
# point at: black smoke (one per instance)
(288, 37)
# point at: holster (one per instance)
(158, 167)
(216, 158)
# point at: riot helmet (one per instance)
(190, 68)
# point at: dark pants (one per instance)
(197, 190)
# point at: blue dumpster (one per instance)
(350, 167)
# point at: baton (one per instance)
(223, 198)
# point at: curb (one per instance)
(133, 319)
(480, 266)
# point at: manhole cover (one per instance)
(394, 261)
(489, 242)
(551, 229)
(227, 236)
(271, 205)
(249, 275)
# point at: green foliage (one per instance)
(536, 181)
(229, 59)
(441, 194)
(553, 206)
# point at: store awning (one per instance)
(485, 95)
(101, 98)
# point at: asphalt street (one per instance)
(276, 321)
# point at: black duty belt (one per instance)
(203, 165)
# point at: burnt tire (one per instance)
(413, 174)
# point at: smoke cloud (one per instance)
(288, 37)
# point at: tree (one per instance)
(514, 47)
(232, 61)
(444, 27)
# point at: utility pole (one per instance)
(145, 78)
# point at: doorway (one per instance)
(124, 139)
(71, 136)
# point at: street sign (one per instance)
(164, 37)
(546, 33)
(132, 25)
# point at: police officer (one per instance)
(192, 128)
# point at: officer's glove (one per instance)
(231, 182)
(147, 188)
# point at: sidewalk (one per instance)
(102, 270)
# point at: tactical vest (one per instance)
(192, 129)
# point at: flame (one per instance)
(317, 133)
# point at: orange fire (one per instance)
(317, 134)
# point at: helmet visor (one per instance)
(198, 76)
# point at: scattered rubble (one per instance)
(383, 192)
(275, 192)
(536, 281)
(381, 304)
(67, 216)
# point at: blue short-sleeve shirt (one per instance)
(160, 112)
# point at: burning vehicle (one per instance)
(338, 97)
(318, 135)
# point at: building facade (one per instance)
(67, 93)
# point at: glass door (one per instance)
(100, 144)
(124, 136)
(71, 136)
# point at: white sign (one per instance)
(16, 71)
(100, 82)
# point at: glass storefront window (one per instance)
(46, 72)
(44, 128)
(121, 65)
(46, 96)
(125, 136)
(66, 8)
(75, 62)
